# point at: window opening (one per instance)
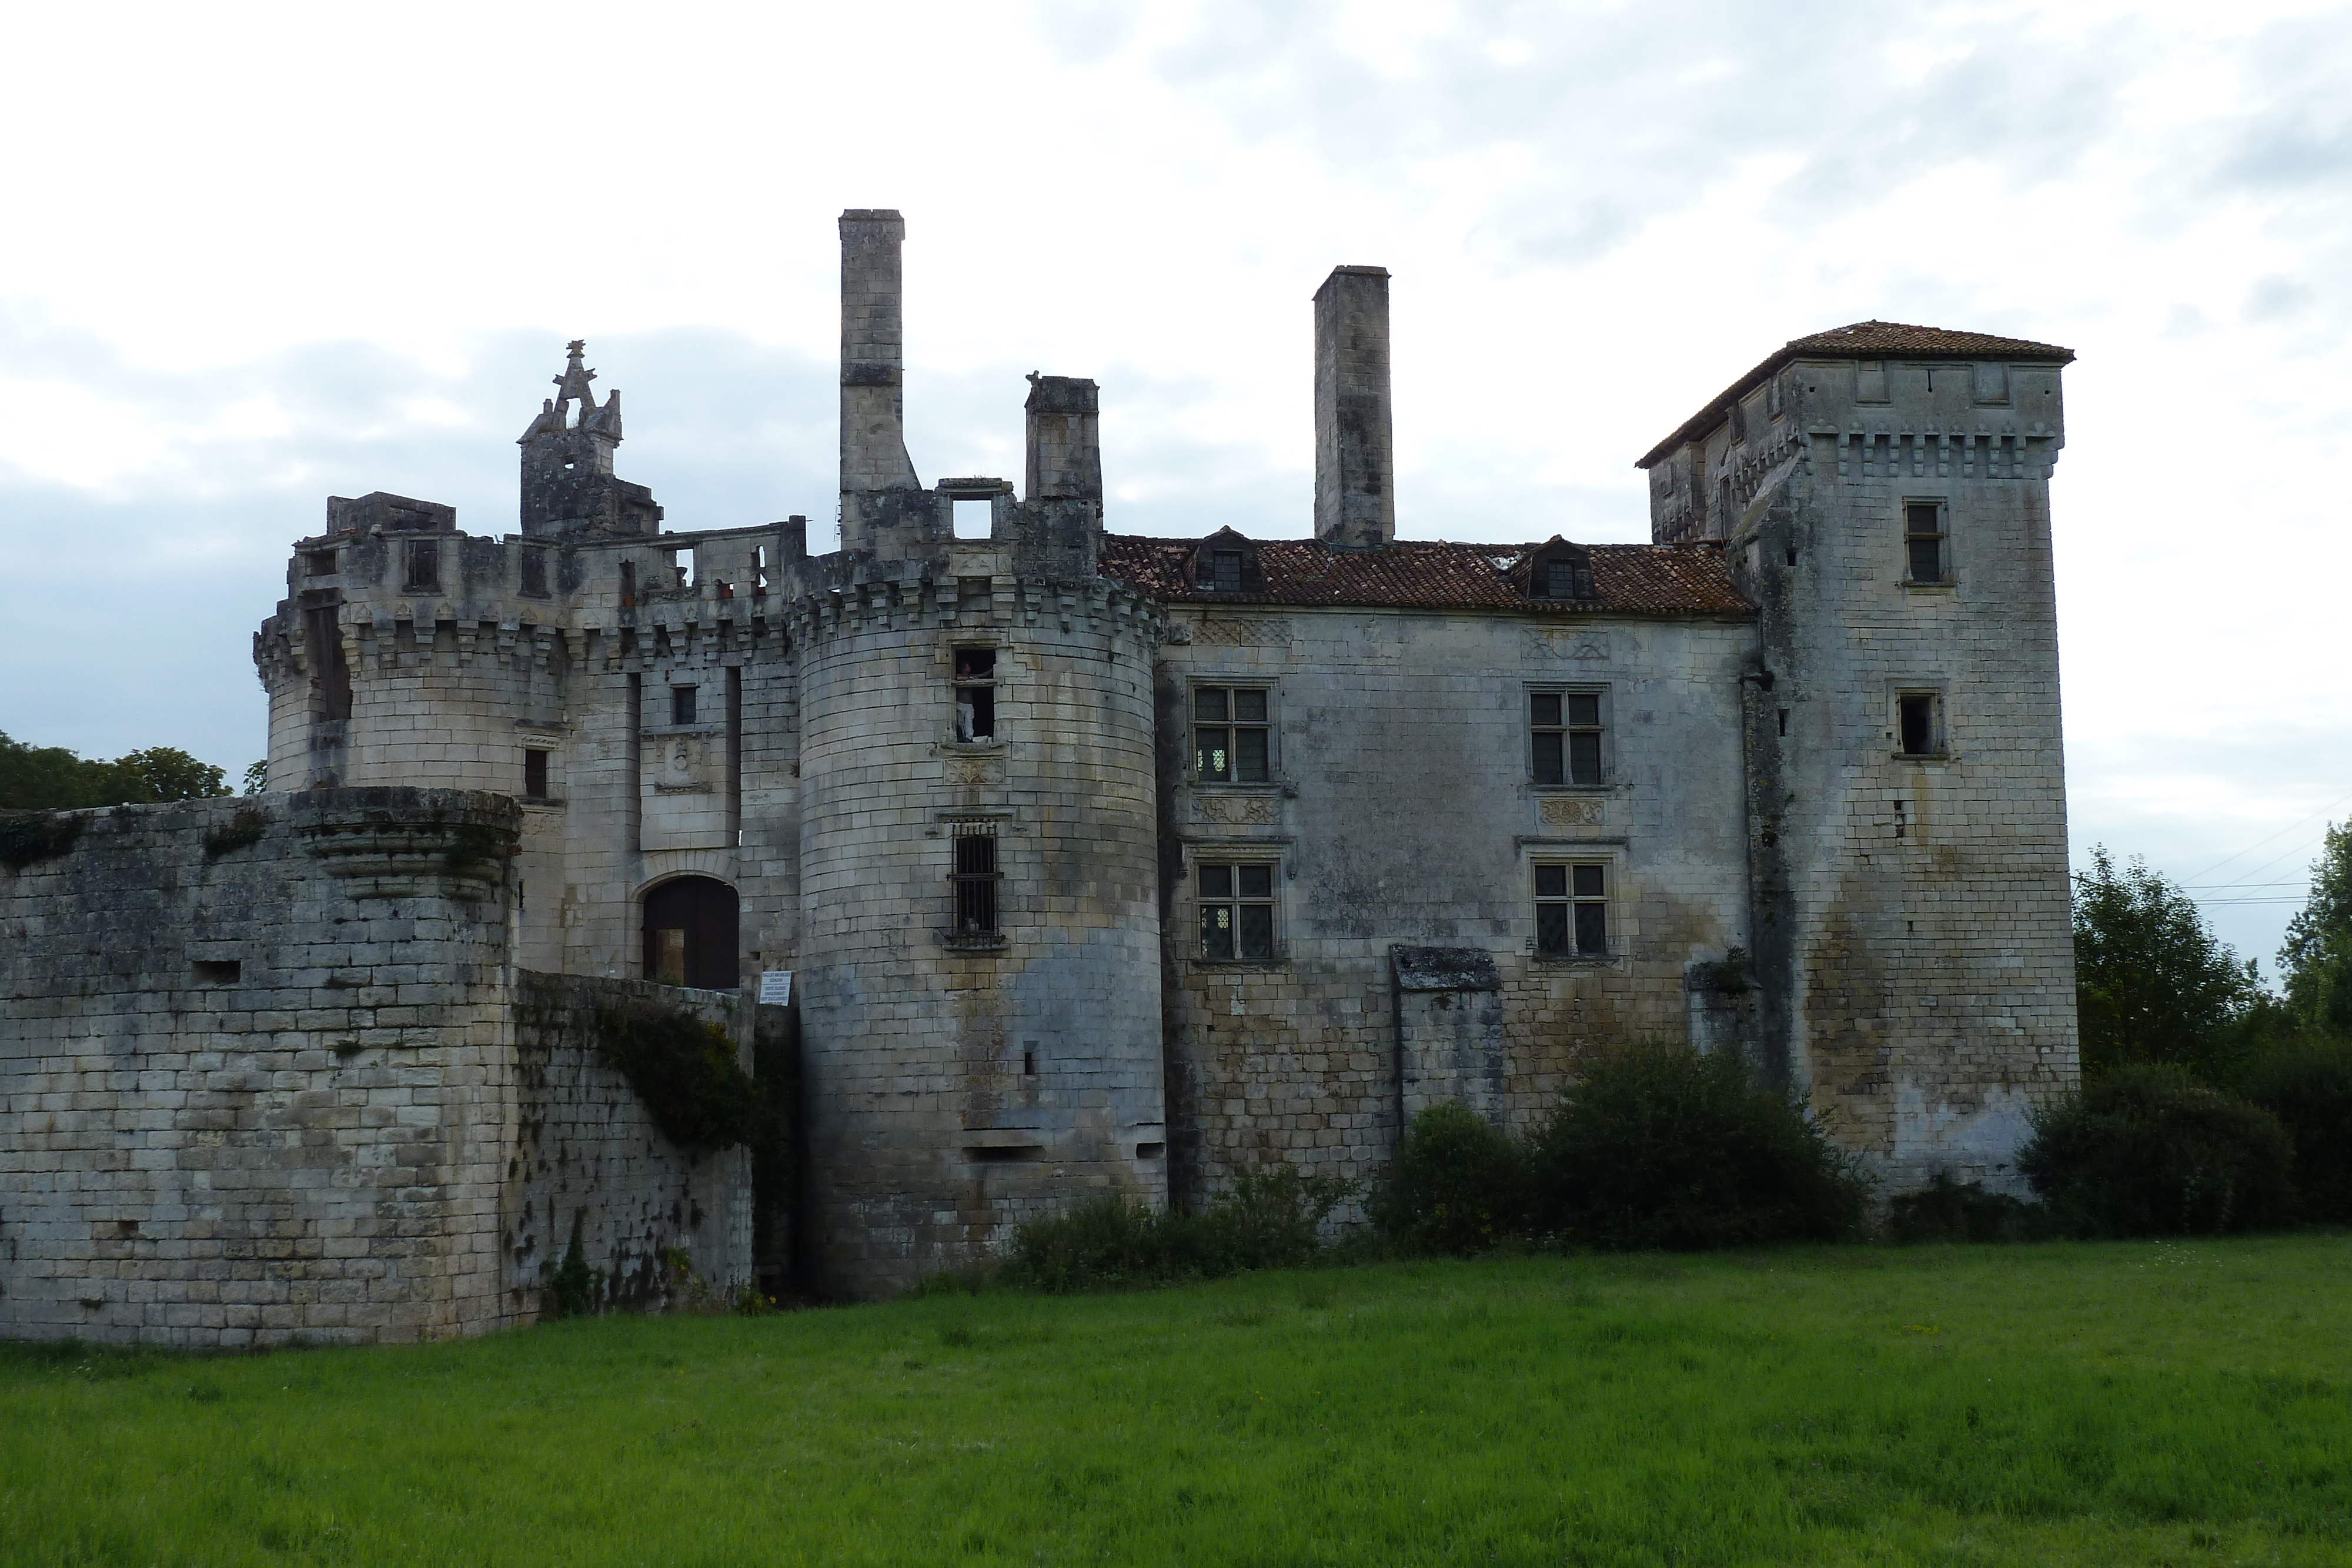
(534, 571)
(219, 971)
(1225, 570)
(1233, 734)
(681, 565)
(1565, 577)
(1236, 911)
(1028, 1058)
(423, 567)
(759, 571)
(681, 704)
(1572, 910)
(1923, 540)
(318, 564)
(976, 883)
(975, 694)
(322, 639)
(1919, 723)
(975, 519)
(535, 773)
(1566, 730)
(1784, 721)
(628, 583)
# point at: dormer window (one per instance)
(1225, 562)
(1561, 571)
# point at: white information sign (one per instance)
(776, 987)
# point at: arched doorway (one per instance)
(690, 936)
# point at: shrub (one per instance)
(1456, 1185)
(686, 1073)
(2308, 1087)
(1663, 1146)
(1269, 1219)
(27, 838)
(2149, 1151)
(1947, 1210)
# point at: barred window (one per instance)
(976, 882)
(1236, 910)
(1572, 910)
(1232, 735)
(1566, 729)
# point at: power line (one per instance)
(2258, 843)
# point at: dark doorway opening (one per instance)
(690, 934)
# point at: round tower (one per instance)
(979, 961)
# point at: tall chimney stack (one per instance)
(1355, 491)
(1065, 439)
(874, 458)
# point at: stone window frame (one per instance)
(1564, 689)
(951, 640)
(1943, 537)
(1196, 681)
(1938, 691)
(1237, 853)
(1621, 895)
(997, 827)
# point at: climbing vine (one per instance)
(29, 837)
(684, 1070)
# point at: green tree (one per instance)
(50, 777)
(2317, 957)
(2153, 984)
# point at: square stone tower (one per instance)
(1883, 492)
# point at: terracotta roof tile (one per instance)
(1861, 341)
(1627, 580)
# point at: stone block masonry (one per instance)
(268, 1074)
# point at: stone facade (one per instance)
(1099, 862)
(271, 1075)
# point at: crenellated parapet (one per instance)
(947, 598)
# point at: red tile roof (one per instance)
(1862, 340)
(1627, 580)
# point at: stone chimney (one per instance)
(1065, 440)
(876, 472)
(1355, 491)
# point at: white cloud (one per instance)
(265, 253)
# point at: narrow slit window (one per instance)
(535, 773)
(976, 883)
(681, 704)
(1923, 540)
(1233, 734)
(1566, 730)
(760, 571)
(628, 583)
(1572, 910)
(1236, 911)
(1919, 723)
(975, 694)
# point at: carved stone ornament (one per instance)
(1238, 810)
(1585, 646)
(1241, 633)
(1570, 811)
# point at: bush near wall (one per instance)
(1664, 1146)
(1457, 1184)
(1269, 1218)
(2308, 1087)
(2149, 1151)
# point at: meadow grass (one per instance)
(2178, 1403)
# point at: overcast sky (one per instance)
(258, 255)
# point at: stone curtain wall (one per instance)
(588, 1160)
(253, 1071)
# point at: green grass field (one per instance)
(2178, 1403)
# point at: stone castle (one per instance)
(1096, 861)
